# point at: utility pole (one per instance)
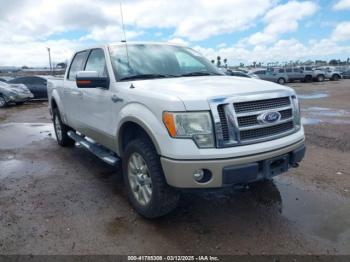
(48, 50)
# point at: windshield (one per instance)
(158, 61)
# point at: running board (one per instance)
(99, 151)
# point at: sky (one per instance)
(243, 31)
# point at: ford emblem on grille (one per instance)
(269, 117)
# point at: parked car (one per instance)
(346, 74)
(37, 85)
(295, 74)
(332, 74)
(17, 94)
(173, 121)
(270, 75)
(240, 74)
(313, 74)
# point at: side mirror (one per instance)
(91, 79)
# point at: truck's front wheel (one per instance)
(148, 191)
(61, 130)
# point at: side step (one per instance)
(99, 151)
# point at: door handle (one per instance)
(116, 99)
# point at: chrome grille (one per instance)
(236, 122)
(261, 104)
(223, 122)
(266, 131)
(252, 120)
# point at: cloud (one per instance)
(179, 41)
(195, 19)
(110, 34)
(282, 50)
(282, 19)
(342, 31)
(342, 5)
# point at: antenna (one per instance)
(126, 45)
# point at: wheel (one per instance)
(61, 130)
(335, 77)
(308, 78)
(3, 102)
(148, 191)
(281, 81)
(320, 78)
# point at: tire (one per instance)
(320, 78)
(308, 78)
(335, 77)
(163, 198)
(3, 102)
(61, 130)
(281, 81)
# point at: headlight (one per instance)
(194, 125)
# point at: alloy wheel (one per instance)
(139, 179)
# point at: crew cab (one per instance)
(173, 121)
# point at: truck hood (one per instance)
(195, 92)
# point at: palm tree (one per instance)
(218, 63)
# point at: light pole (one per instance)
(48, 50)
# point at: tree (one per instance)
(218, 61)
(333, 62)
(213, 61)
(225, 62)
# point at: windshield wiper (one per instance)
(200, 74)
(145, 76)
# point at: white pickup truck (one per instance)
(173, 121)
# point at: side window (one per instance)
(97, 62)
(281, 71)
(289, 70)
(77, 64)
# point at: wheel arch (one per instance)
(132, 127)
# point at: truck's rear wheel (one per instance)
(335, 77)
(320, 78)
(61, 130)
(147, 189)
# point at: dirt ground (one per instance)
(57, 200)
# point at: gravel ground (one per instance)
(57, 200)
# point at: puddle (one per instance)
(324, 215)
(312, 96)
(16, 135)
(317, 115)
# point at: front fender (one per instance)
(144, 117)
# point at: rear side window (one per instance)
(289, 70)
(77, 64)
(97, 62)
(281, 71)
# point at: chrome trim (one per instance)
(281, 121)
(251, 113)
(232, 116)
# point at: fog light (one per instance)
(198, 175)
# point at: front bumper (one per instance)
(232, 171)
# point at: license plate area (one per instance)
(276, 166)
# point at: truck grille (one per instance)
(261, 104)
(246, 128)
(252, 120)
(266, 131)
